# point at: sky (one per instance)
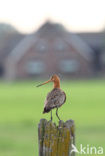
(75, 15)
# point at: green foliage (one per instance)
(21, 106)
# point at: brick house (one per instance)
(52, 49)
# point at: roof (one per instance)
(9, 38)
(51, 29)
(80, 45)
(95, 40)
(18, 52)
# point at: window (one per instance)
(60, 45)
(35, 67)
(69, 66)
(42, 46)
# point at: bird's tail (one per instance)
(46, 110)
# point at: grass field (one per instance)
(21, 106)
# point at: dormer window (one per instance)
(35, 67)
(42, 46)
(69, 66)
(60, 45)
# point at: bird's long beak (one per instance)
(44, 83)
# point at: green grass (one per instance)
(21, 106)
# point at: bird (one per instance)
(56, 98)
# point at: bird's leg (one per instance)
(51, 115)
(57, 113)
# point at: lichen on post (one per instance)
(56, 140)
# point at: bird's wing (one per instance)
(55, 99)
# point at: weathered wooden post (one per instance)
(56, 140)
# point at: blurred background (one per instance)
(41, 38)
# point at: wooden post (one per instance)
(56, 140)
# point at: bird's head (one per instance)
(54, 79)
